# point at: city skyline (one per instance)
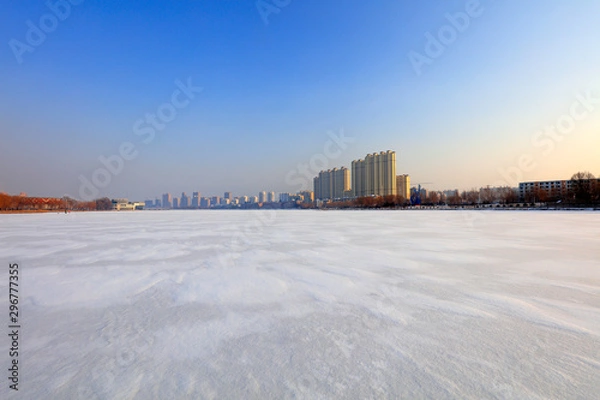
(343, 189)
(211, 95)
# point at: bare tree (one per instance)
(389, 200)
(4, 201)
(472, 196)
(540, 195)
(103, 204)
(433, 197)
(584, 187)
(507, 195)
(486, 195)
(455, 199)
(400, 200)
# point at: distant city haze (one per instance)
(143, 98)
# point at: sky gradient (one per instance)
(271, 92)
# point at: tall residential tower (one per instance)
(375, 175)
(403, 186)
(332, 184)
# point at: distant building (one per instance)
(215, 200)
(253, 199)
(262, 197)
(196, 199)
(422, 192)
(148, 204)
(403, 186)
(550, 189)
(204, 202)
(332, 184)
(450, 193)
(271, 197)
(243, 199)
(228, 196)
(308, 196)
(175, 202)
(167, 201)
(375, 175)
(125, 205)
(185, 201)
(283, 197)
(157, 203)
(418, 196)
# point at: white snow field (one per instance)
(305, 304)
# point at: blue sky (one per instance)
(271, 92)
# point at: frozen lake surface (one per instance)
(306, 304)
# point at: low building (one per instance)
(551, 189)
(124, 205)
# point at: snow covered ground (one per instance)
(305, 304)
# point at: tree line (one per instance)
(24, 203)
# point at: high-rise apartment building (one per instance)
(228, 196)
(271, 197)
(283, 197)
(375, 175)
(204, 202)
(167, 200)
(332, 184)
(196, 199)
(262, 197)
(185, 200)
(403, 186)
(308, 196)
(175, 202)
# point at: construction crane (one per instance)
(415, 196)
